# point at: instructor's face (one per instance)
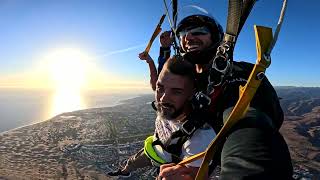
(172, 94)
(196, 39)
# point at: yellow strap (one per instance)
(150, 152)
(155, 34)
(263, 40)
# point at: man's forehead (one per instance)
(189, 27)
(171, 80)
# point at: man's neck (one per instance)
(183, 116)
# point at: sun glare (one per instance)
(68, 70)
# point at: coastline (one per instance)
(120, 101)
(78, 144)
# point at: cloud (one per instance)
(121, 50)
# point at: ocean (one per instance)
(20, 107)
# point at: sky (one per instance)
(38, 39)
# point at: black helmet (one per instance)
(214, 27)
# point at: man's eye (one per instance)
(159, 89)
(177, 92)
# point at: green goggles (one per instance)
(194, 31)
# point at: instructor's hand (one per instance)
(166, 39)
(175, 172)
(145, 56)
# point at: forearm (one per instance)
(136, 161)
(153, 74)
(164, 54)
(255, 151)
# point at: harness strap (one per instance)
(234, 15)
(194, 121)
(247, 5)
(175, 149)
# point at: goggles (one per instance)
(194, 31)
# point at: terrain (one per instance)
(301, 127)
(88, 143)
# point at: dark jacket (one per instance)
(254, 148)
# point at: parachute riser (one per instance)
(263, 41)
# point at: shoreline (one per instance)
(121, 101)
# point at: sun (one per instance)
(68, 70)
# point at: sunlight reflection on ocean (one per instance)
(20, 107)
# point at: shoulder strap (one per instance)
(178, 138)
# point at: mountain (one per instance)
(301, 127)
(297, 101)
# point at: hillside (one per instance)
(301, 128)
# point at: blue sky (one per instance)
(113, 32)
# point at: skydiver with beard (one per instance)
(179, 131)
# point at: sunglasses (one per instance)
(194, 31)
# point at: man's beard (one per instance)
(200, 57)
(203, 56)
(168, 111)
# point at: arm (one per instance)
(255, 150)
(134, 162)
(166, 40)
(152, 68)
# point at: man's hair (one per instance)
(178, 66)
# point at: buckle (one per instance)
(229, 38)
(217, 77)
(188, 130)
(201, 100)
(221, 63)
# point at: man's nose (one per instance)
(189, 36)
(164, 97)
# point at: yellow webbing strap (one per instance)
(150, 152)
(155, 34)
(263, 41)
